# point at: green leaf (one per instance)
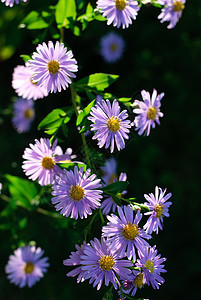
(34, 21)
(97, 81)
(25, 57)
(65, 9)
(82, 117)
(124, 99)
(115, 188)
(71, 165)
(116, 200)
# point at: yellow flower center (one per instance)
(151, 114)
(29, 267)
(77, 192)
(113, 178)
(130, 231)
(29, 113)
(113, 47)
(47, 163)
(159, 210)
(178, 6)
(121, 4)
(53, 67)
(138, 281)
(149, 265)
(106, 262)
(113, 124)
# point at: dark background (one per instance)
(155, 57)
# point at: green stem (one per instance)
(62, 35)
(101, 216)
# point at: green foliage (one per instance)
(65, 11)
(35, 20)
(71, 165)
(82, 120)
(115, 188)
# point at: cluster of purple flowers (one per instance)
(12, 2)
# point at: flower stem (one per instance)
(101, 216)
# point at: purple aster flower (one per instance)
(171, 12)
(158, 209)
(23, 114)
(74, 260)
(109, 171)
(110, 124)
(118, 12)
(152, 266)
(124, 234)
(137, 280)
(26, 266)
(108, 204)
(68, 153)
(100, 263)
(112, 47)
(12, 2)
(53, 66)
(40, 161)
(149, 112)
(24, 86)
(77, 193)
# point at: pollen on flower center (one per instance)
(151, 113)
(77, 192)
(159, 210)
(47, 163)
(149, 265)
(106, 262)
(29, 267)
(121, 4)
(53, 67)
(178, 6)
(113, 124)
(29, 113)
(130, 231)
(113, 47)
(138, 281)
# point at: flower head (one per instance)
(109, 171)
(171, 12)
(52, 66)
(118, 12)
(152, 266)
(24, 86)
(158, 209)
(74, 260)
(77, 193)
(148, 112)
(112, 47)
(100, 263)
(40, 161)
(110, 124)
(12, 2)
(124, 234)
(23, 114)
(137, 280)
(26, 266)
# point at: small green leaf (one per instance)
(115, 188)
(34, 21)
(82, 117)
(25, 57)
(71, 165)
(116, 200)
(65, 9)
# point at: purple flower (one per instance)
(40, 161)
(171, 12)
(26, 266)
(136, 281)
(11, 2)
(112, 47)
(108, 204)
(109, 171)
(110, 124)
(23, 114)
(149, 112)
(74, 260)
(100, 263)
(118, 12)
(152, 266)
(68, 153)
(53, 66)
(158, 209)
(24, 86)
(124, 234)
(77, 193)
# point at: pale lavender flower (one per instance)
(53, 66)
(152, 266)
(112, 47)
(148, 112)
(26, 266)
(109, 171)
(124, 234)
(100, 263)
(74, 260)
(137, 280)
(171, 12)
(24, 86)
(108, 204)
(158, 209)
(119, 12)
(110, 124)
(77, 193)
(12, 2)
(40, 161)
(24, 114)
